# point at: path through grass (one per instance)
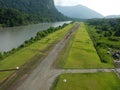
(80, 52)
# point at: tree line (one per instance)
(20, 12)
(109, 26)
(14, 17)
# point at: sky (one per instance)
(104, 7)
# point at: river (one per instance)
(12, 37)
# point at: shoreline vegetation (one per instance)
(32, 50)
(26, 43)
(10, 17)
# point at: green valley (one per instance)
(59, 45)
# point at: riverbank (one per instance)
(39, 48)
(13, 37)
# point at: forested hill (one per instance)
(17, 12)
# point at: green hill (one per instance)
(17, 12)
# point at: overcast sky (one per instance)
(105, 7)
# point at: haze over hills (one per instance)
(28, 10)
(79, 11)
(113, 16)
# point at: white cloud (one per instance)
(67, 2)
(105, 7)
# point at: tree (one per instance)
(107, 34)
(117, 33)
(1, 56)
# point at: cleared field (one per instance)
(80, 52)
(94, 81)
(24, 55)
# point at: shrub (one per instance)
(1, 56)
(114, 38)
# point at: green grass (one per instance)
(80, 52)
(104, 44)
(24, 55)
(93, 81)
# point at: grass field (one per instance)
(24, 55)
(80, 52)
(94, 81)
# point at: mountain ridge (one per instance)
(29, 11)
(84, 12)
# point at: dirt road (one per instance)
(44, 75)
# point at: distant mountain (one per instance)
(28, 10)
(78, 11)
(113, 16)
